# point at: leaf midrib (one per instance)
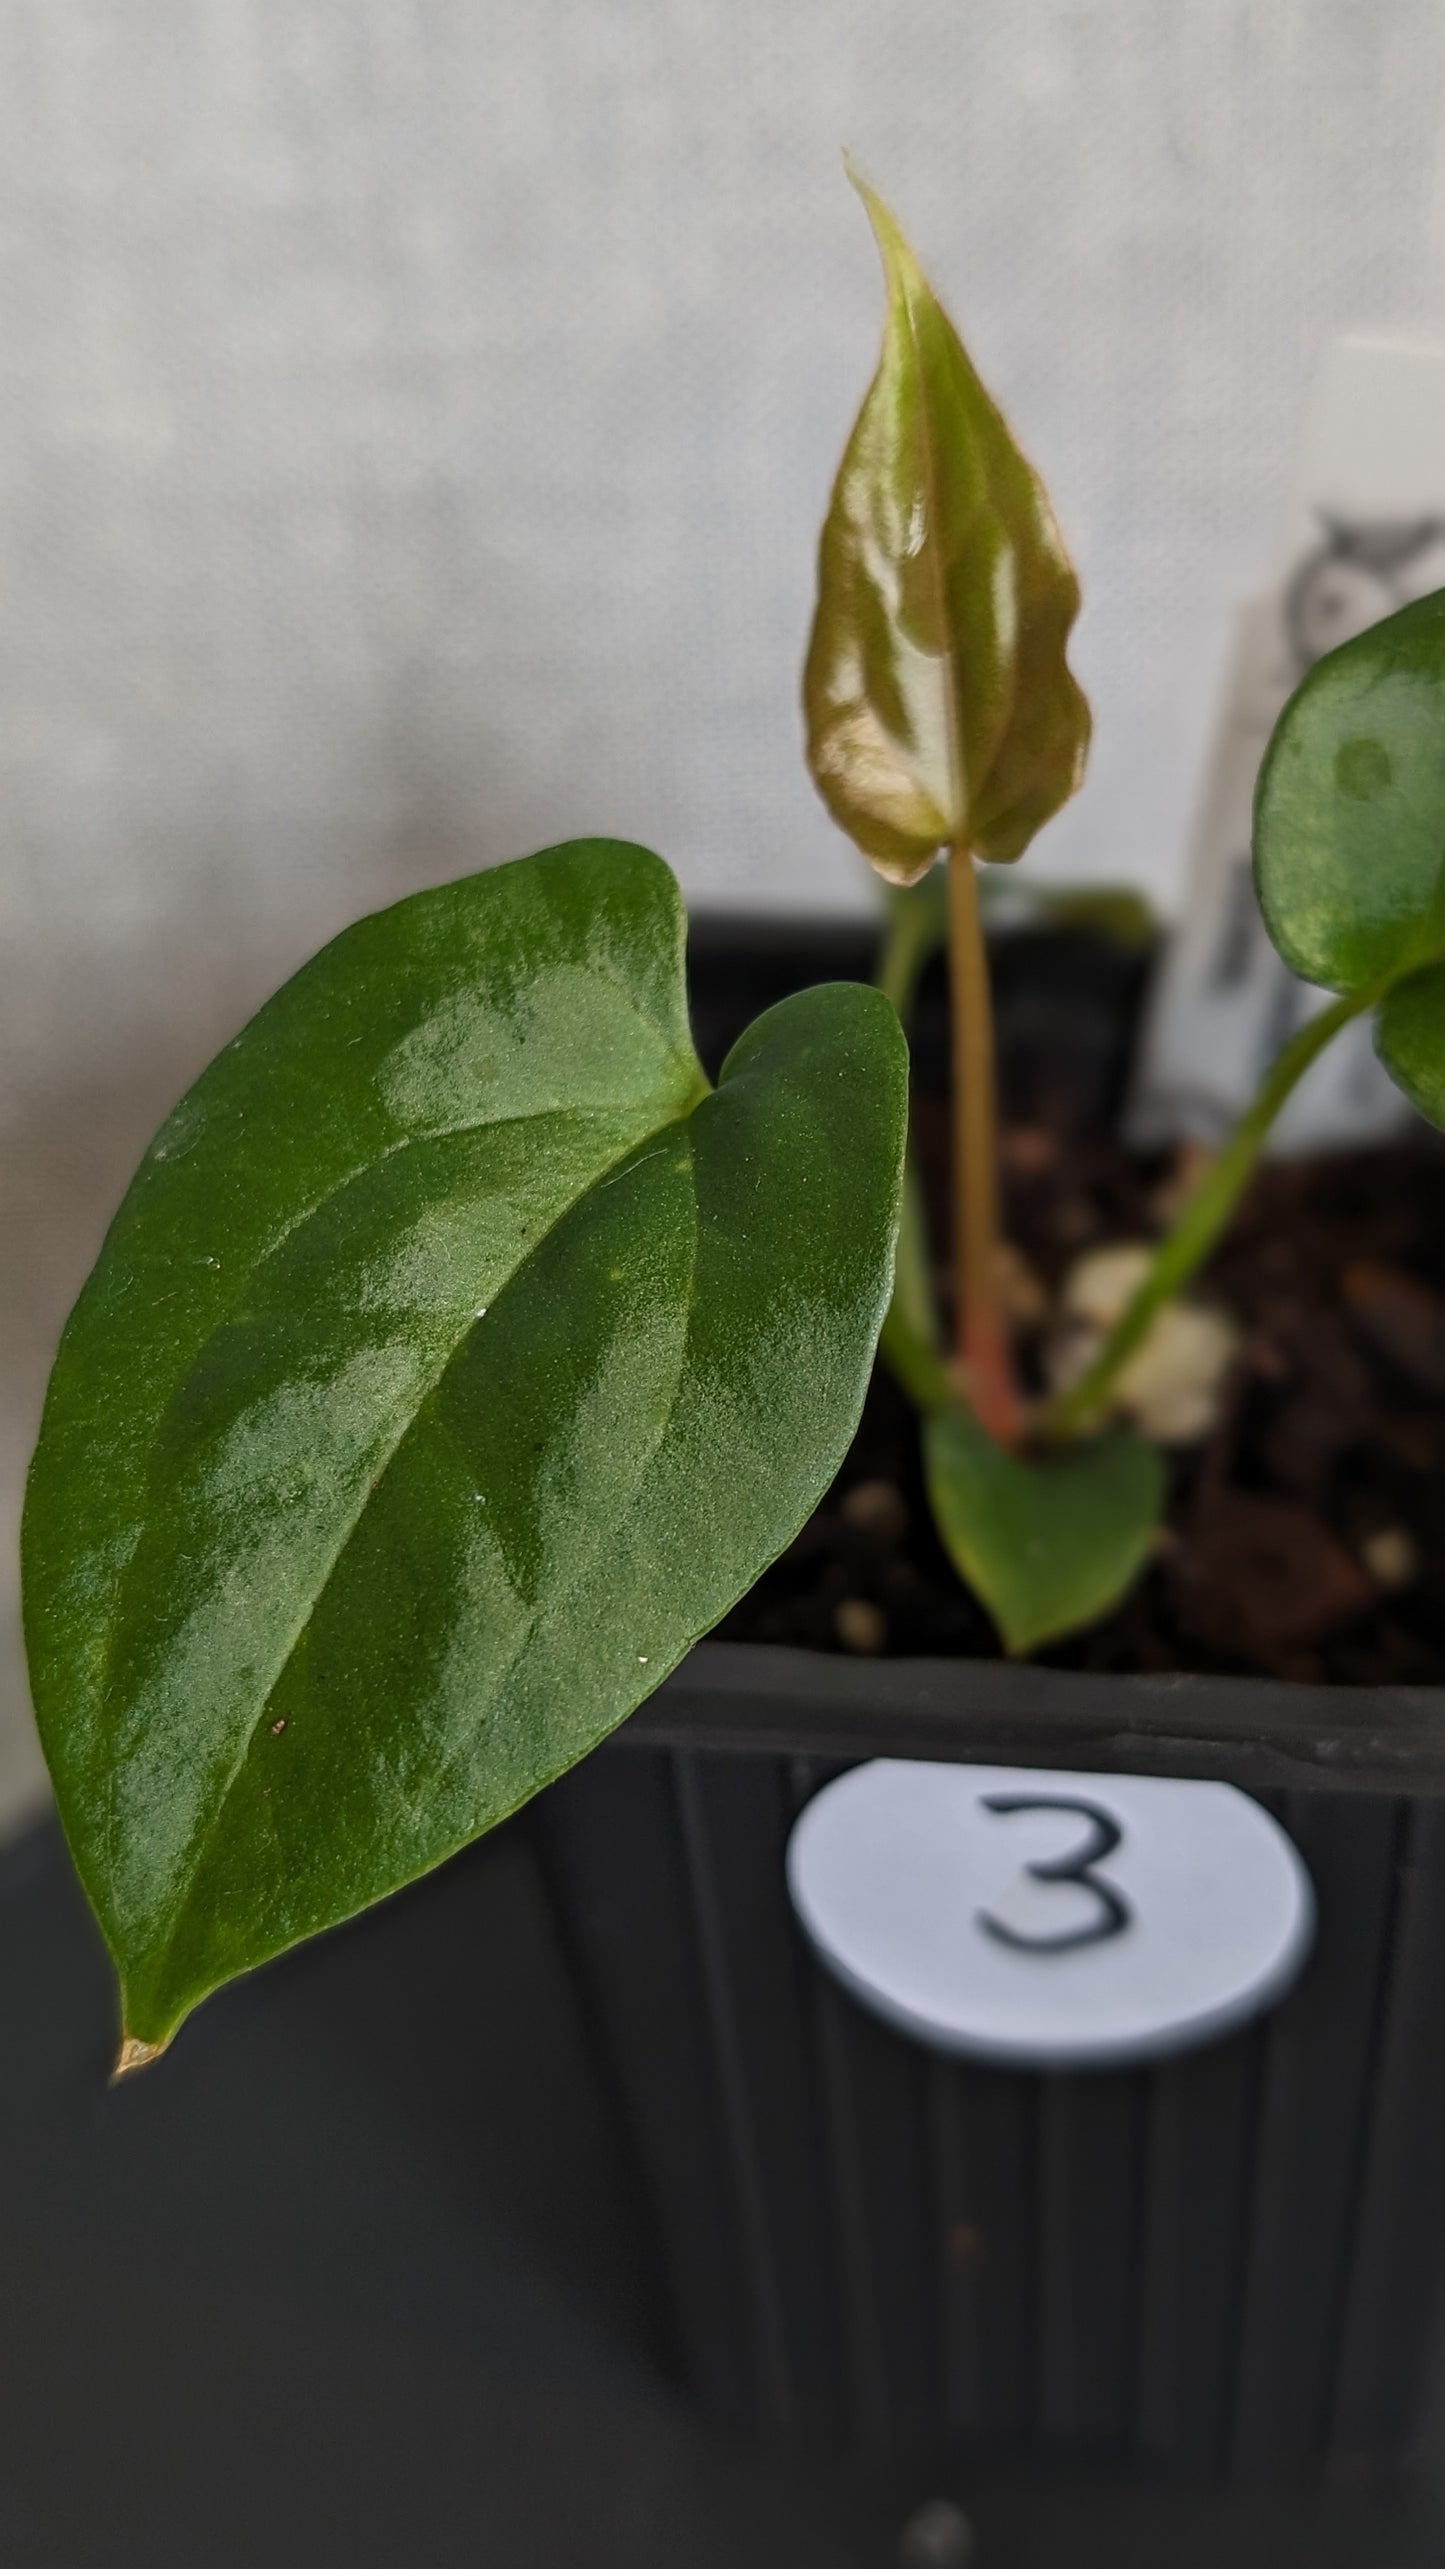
(933, 556)
(600, 1177)
(558, 1599)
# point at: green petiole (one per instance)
(1204, 1216)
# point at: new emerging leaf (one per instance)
(940, 708)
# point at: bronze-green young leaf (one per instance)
(940, 708)
(1349, 837)
(456, 1358)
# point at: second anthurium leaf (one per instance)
(456, 1358)
(940, 708)
(1349, 837)
(1046, 1546)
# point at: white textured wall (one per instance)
(415, 414)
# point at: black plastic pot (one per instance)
(1225, 2264)
(1222, 2265)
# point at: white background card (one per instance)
(1365, 533)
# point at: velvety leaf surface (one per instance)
(454, 1361)
(1350, 814)
(1047, 1547)
(939, 706)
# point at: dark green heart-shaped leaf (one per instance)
(454, 1361)
(1047, 1547)
(939, 706)
(1349, 841)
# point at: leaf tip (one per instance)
(854, 175)
(134, 2055)
(897, 256)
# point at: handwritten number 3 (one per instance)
(1104, 1836)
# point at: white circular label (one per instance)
(1049, 1920)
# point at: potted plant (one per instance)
(461, 1355)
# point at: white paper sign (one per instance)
(1366, 534)
(1047, 1920)
(1366, 522)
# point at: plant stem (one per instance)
(917, 926)
(912, 1340)
(911, 1344)
(983, 1346)
(1203, 1217)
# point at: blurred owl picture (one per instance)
(1357, 573)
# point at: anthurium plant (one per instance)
(459, 1354)
(944, 729)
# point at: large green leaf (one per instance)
(1050, 1546)
(939, 706)
(456, 1358)
(1349, 841)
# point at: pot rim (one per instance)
(1263, 1733)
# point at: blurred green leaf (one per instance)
(917, 921)
(1047, 1547)
(1349, 839)
(1410, 1039)
(456, 1358)
(915, 929)
(1114, 912)
(940, 709)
